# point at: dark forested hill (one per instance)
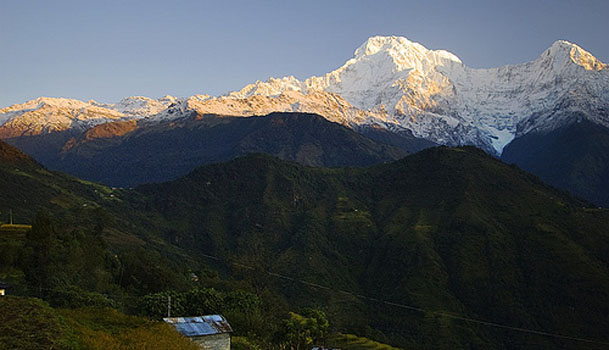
(574, 157)
(127, 154)
(27, 187)
(446, 231)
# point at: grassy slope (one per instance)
(353, 342)
(28, 323)
(32, 324)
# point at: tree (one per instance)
(156, 305)
(204, 301)
(38, 253)
(303, 330)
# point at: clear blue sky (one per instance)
(106, 50)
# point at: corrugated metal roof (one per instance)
(200, 326)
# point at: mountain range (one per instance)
(164, 151)
(391, 84)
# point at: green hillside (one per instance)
(399, 253)
(29, 323)
(352, 342)
(446, 229)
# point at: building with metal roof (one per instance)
(210, 332)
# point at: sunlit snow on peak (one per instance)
(390, 82)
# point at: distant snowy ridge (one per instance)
(140, 106)
(329, 105)
(46, 114)
(390, 82)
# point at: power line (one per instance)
(414, 308)
(377, 300)
(112, 296)
(169, 306)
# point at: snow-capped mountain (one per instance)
(140, 106)
(329, 105)
(46, 114)
(390, 83)
(433, 94)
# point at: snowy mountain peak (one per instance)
(271, 87)
(402, 50)
(387, 70)
(432, 94)
(169, 99)
(140, 106)
(48, 114)
(379, 43)
(40, 102)
(377, 65)
(566, 52)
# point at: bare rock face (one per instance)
(103, 131)
(12, 155)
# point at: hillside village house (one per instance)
(3, 288)
(211, 332)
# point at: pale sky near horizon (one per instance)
(107, 50)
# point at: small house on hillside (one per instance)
(3, 288)
(211, 332)
(12, 227)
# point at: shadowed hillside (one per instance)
(446, 229)
(574, 157)
(126, 154)
(387, 251)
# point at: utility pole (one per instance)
(169, 306)
(10, 215)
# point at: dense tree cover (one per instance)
(75, 269)
(446, 229)
(200, 301)
(62, 265)
(303, 331)
(246, 315)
